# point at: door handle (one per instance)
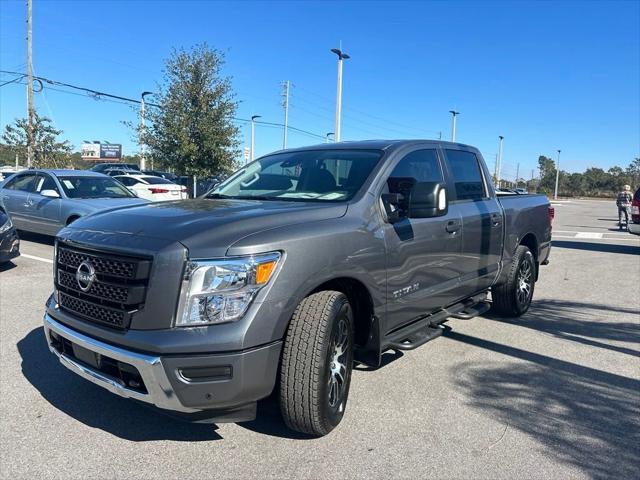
(496, 220)
(452, 226)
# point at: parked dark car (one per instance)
(44, 201)
(101, 167)
(9, 241)
(300, 263)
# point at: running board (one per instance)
(427, 328)
(473, 311)
(419, 338)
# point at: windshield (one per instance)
(310, 175)
(93, 187)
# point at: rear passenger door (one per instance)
(482, 219)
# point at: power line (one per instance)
(98, 95)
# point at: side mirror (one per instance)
(428, 199)
(50, 193)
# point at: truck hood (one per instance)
(206, 227)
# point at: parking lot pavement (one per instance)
(555, 394)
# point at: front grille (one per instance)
(117, 291)
(93, 312)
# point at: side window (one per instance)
(127, 181)
(467, 177)
(23, 183)
(45, 182)
(418, 166)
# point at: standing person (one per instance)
(623, 201)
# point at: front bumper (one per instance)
(221, 382)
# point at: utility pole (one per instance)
(143, 160)
(341, 56)
(440, 135)
(454, 114)
(30, 111)
(285, 104)
(555, 192)
(16, 161)
(253, 143)
(499, 160)
(517, 175)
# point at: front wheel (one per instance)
(317, 360)
(513, 297)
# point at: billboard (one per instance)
(101, 151)
(111, 151)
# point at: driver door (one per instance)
(423, 254)
(45, 212)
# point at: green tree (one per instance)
(48, 151)
(192, 131)
(547, 174)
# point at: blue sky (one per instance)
(546, 75)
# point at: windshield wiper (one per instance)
(218, 195)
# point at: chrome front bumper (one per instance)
(160, 392)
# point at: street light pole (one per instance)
(499, 172)
(30, 110)
(143, 160)
(341, 56)
(253, 126)
(326, 137)
(454, 114)
(555, 192)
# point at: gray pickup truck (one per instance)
(299, 264)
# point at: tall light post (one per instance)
(341, 56)
(30, 110)
(555, 192)
(499, 161)
(454, 114)
(326, 137)
(253, 127)
(143, 160)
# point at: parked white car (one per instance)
(156, 189)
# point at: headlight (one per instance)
(5, 222)
(218, 291)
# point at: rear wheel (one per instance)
(513, 297)
(316, 363)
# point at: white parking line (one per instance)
(40, 259)
(630, 239)
(593, 235)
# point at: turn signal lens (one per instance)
(264, 271)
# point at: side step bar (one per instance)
(428, 328)
(473, 311)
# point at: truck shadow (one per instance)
(574, 321)
(582, 416)
(598, 247)
(96, 407)
(37, 238)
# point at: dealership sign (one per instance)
(101, 151)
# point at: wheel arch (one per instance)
(367, 326)
(531, 242)
(72, 218)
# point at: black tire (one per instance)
(511, 298)
(317, 360)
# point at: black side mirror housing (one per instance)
(428, 199)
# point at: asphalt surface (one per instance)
(555, 394)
